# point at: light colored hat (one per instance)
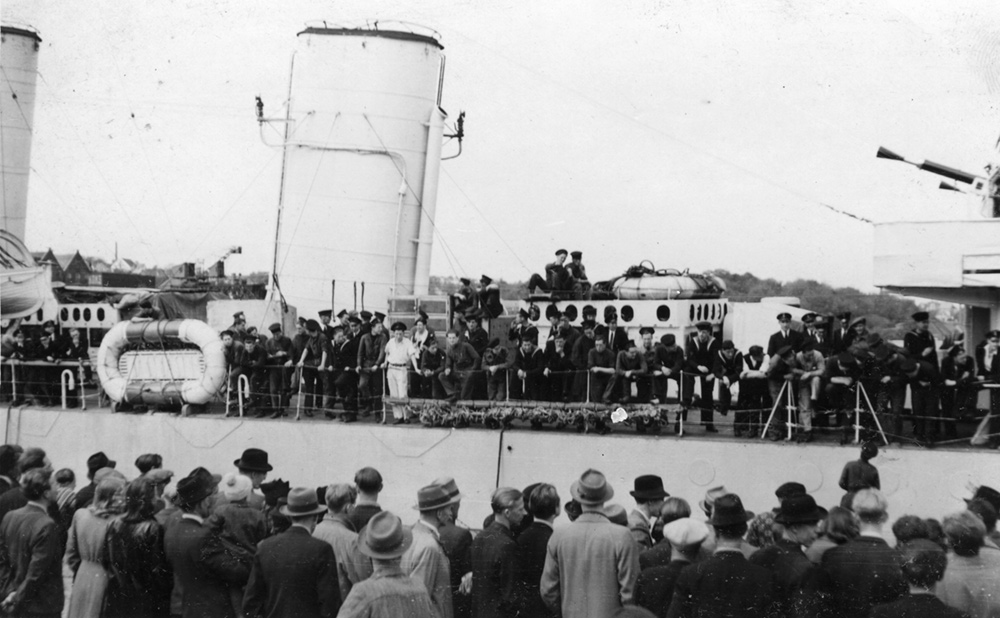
(235, 486)
(592, 488)
(711, 496)
(302, 501)
(685, 532)
(384, 537)
(449, 485)
(616, 514)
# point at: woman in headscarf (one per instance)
(141, 576)
(85, 550)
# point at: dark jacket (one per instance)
(494, 573)
(724, 585)
(531, 545)
(777, 341)
(457, 545)
(141, 578)
(699, 353)
(294, 576)
(31, 550)
(917, 606)
(654, 589)
(789, 568)
(854, 577)
(205, 592)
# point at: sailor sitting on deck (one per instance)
(558, 278)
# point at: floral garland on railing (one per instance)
(645, 418)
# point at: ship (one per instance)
(363, 136)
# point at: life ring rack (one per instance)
(161, 387)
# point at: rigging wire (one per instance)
(83, 219)
(100, 173)
(683, 142)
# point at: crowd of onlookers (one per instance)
(813, 378)
(235, 544)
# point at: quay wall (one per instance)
(928, 483)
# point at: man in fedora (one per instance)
(591, 565)
(457, 544)
(390, 591)
(294, 574)
(425, 560)
(725, 584)
(253, 464)
(494, 558)
(203, 584)
(649, 495)
(785, 559)
(655, 587)
(94, 463)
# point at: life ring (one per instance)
(161, 389)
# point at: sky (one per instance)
(694, 134)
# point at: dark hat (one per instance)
(704, 326)
(809, 318)
(589, 310)
(473, 315)
(48, 323)
(238, 314)
(99, 460)
(755, 350)
(869, 450)
(212, 479)
(784, 317)
(398, 326)
(908, 365)
(354, 320)
(857, 321)
(326, 313)
(561, 252)
(494, 342)
(993, 334)
(312, 325)
(342, 313)
(530, 333)
(668, 339)
(648, 487)
(588, 325)
(420, 319)
(591, 488)
(251, 338)
(552, 311)
(921, 316)
(874, 340)
(273, 490)
(384, 537)
(882, 352)
(728, 511)
(255, 460)
(784, 351)
(193, 489)
(465, 280)
(988, 494)
(798, 509)
(301, 321)
(791, 488)
(807, 346)
(485, 280)
(728, 345)
(337, 329)
(647, 330)
(576, 255)
(433, 497)
(610, 313)
(844, 316)
(274, 327)
(378, 317)
(846, 358)
(522, 313)
(366, 315)
(630, 344)
(302, 501)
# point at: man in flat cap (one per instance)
(255, 368)
(702, 349)
(325, 316)
(591, 565)
(786, 335)
(580, 357)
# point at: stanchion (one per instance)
(860, 390)
(786, 391)
(298, 396)
(589, 375)
(83, 391)
(13, 381)
(506, 379)
(385, 389)
(67, 382)
(229, 388)
(240, 381)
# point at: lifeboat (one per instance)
(645, 282)
(24, 285)
(158, 370)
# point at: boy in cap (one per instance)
(654, 589)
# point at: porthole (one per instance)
(100, 314)
(663, 313)
(76, 314)
(86, 314)
(570, 313)
(627, 313)
(63, 314)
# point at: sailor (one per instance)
(579, 356)
(239, 326)
(672, 367)
(958, 395)
(332, 370)
(840, 376)
(347, 371)
(782, 372)
(461, 363)
(255, 367)
(925, 380)
(919, 343)
(369, 377)
(814, 326)
(630, 368)
(842, 335)
(366, 322)
(342, 316)
(557, 277)
(312, 360)
(601, 364)
(517, 326)
(465, 298)
(727, 369)
(702, 349)
(495, 362)
(233, 351)
(559, 371)
(279, 361)
(476, 335)
(398, 360)
(567, 331)
(526, 371)
(581, 285)
(431, 366)
(786, 336)
(324, 323)
(489, 298)
(655, 354)
(754, 397)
